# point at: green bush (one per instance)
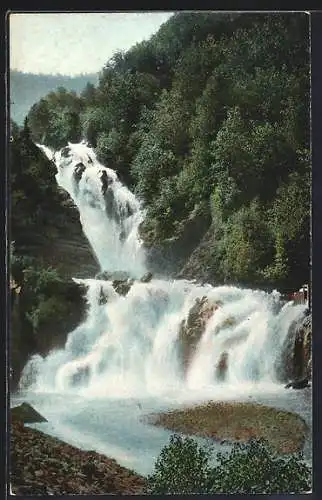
(255, 468)
(183, 467)
(48, 310)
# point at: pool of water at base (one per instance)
(117, 428)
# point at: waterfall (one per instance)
(133, 344)
(109, 213)
(129, 346)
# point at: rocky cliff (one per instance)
(49, 249)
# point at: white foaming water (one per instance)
(130, 345)
(109, 213)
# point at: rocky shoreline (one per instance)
(43, 465)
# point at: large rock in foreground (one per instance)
(26, 413)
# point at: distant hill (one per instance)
(28, 88)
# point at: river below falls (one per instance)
(116, 428)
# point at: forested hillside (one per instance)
(28, 88)
(208, 122)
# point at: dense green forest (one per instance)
(208, 120)
(28, 88)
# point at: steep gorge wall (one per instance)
(45, 229)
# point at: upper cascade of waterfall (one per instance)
(110, 213)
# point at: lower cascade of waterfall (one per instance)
(131, 345)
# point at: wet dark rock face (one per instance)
(170, 256)
(26, 341)
(298, 384)
(295, 362)
(78, 171)
(193, 327)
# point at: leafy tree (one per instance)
(254, 468)
(247, 244)
(55, 119)
(184, 467)
(181, 468)
(289, 220)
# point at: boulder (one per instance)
(78, 171)
(298, 384)
(122, 287)
(27, 414)
(146, 278)
(112, 275)
(103, 298)
(193, 327)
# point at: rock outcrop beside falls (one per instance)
(47, 232)
(121, 282)
(194, 326)
(168, 256)
(295, 362)
(51, 333)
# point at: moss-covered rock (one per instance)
(167, 255)
(112, 275)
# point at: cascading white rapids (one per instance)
(109, 213)
(130, 345)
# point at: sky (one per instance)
(74, 43)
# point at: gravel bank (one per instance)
(44, 465)
(236, 421)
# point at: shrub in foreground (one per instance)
(255, 468)
(184, 467)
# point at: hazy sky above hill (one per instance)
(73, 43)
